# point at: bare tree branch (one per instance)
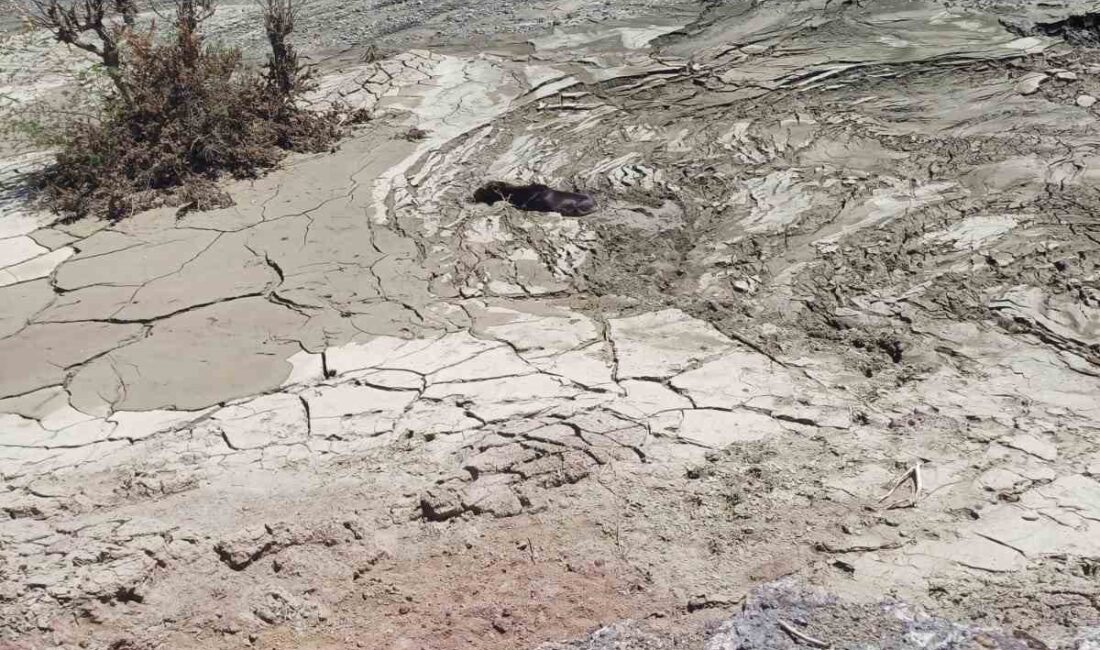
(128, 10)
(88, 25)
(284, 73)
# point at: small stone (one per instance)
(1030, 85)
(40, 580)
(1086, 101)
(859, 543)
(999, 479)
(844, 566)
(498, 501)
(1066, 75)
(245, 547)
(440, 505)
(9, 592)
(231, 627)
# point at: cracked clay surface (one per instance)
(835, 241)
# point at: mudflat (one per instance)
(843, 250)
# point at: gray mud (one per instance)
(785, 615)
(836, 241)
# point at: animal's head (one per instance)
(585, 205)
(491, 192)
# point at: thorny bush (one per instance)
(184, 113)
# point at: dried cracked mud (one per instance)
(836, 241)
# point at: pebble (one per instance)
(1030, 85)
(1086, 101)
(1066, 75)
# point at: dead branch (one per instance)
(128, 10)
(913, 474)
(88, 25)
(192, 13)
(285, 74)
(799, 636)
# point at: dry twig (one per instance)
(804, 638)
(913, 474)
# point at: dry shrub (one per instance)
(191, 113)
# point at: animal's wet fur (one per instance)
(536, 198)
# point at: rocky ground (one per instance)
(841, 247)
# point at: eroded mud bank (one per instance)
(835, 241)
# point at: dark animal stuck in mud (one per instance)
(536, 198)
